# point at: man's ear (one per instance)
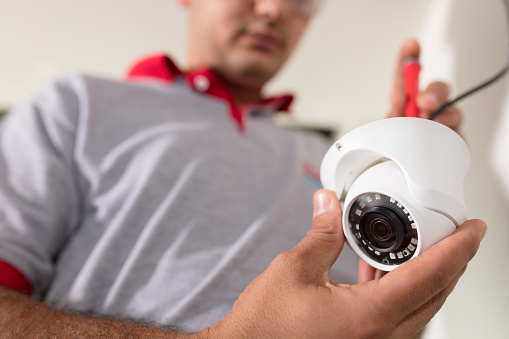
(184, 3)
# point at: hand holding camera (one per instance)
(294, 297)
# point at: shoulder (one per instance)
(74, 93)
(79, 86)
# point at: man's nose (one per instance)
(272, 9)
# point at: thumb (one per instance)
(323, 243)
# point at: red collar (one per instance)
(162, 68)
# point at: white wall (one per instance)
(41, 38)
(343, 73)
(476, 34)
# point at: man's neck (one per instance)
(242, 93)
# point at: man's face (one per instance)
(244, 40)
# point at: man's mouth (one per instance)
(262, 40)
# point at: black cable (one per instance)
(486, 83)
(469, 92)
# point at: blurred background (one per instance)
(342, 74)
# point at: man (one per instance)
(160, 199)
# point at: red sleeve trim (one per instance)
(12, 278)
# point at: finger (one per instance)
(417, 281)
(416, 321)
(379, 274)
(366, 272)
(434, 96)
(431, 99)
(398, 101)
(451, 117)
(318, 251)
(409, 49)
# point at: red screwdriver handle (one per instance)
(411, 69)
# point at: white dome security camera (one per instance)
(400, 182)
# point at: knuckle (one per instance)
(325, 225)
(441, 89)
(435, 305)
(440, 86)
(439, 281)
(288, 265)
(284, 259)
(424, 316)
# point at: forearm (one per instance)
(21, 316)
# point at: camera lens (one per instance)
(382, 228)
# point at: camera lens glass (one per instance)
(383, 228)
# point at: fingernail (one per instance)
(484, 233)
(321, 204)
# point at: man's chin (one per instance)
(258, 69)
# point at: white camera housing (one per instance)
(400, 183)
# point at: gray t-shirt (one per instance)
(144, 200)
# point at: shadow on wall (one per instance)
(500, 151)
